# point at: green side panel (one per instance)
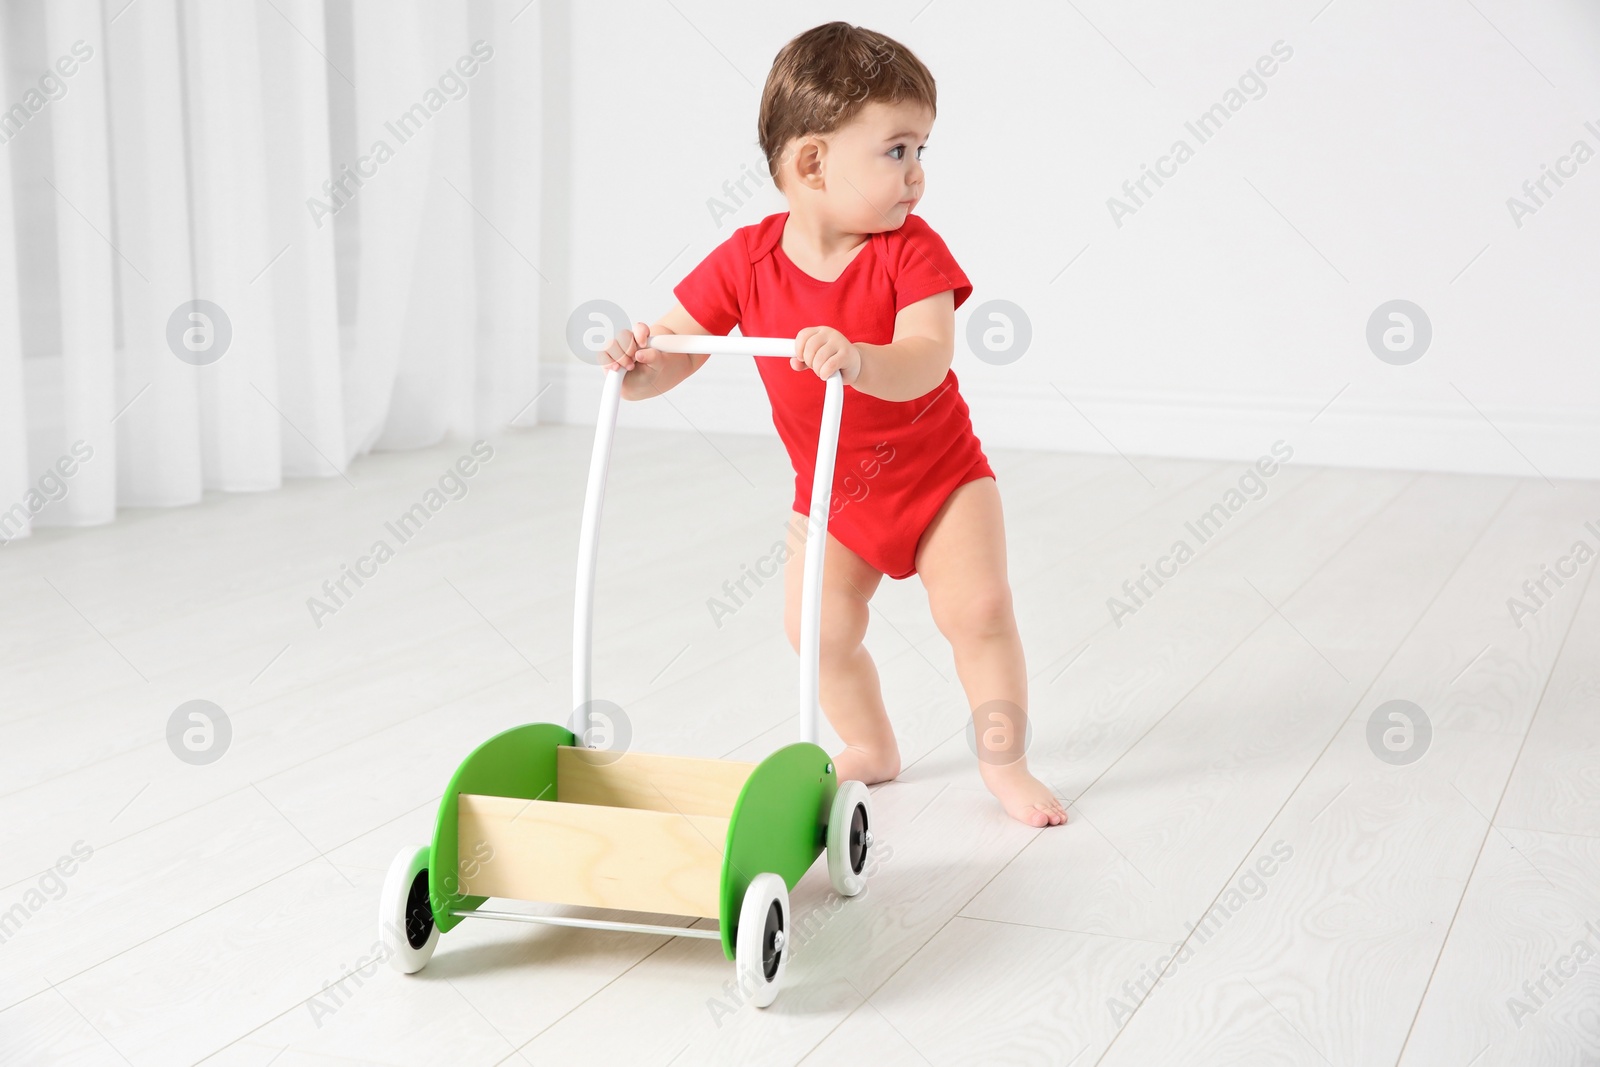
(520, 762)
(780, 824)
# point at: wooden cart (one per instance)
(532, 814)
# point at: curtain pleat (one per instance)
(509, 191)
(15, 518)
(240, 425)
(426, 403)
(389, 51)
(83, 378)
(158, 396)
(310, 389)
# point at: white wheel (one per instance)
(405, 916)
(849, 837)
(761, 943)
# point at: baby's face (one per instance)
(872, 172)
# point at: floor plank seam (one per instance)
(163, 742)
(1444, 942)
(219, 904)
(1061, 929)
(163, 933)
(1312, 765)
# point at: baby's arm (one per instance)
(650, 371)
(915, 362)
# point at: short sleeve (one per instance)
(925, 266)
(713, 293)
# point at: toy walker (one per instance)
(533, 814)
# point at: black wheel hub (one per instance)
(858, 838)
(419, 913)
(771, 954)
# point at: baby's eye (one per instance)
(900, 148)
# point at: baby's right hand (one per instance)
(628, 352)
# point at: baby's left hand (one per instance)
(825, 350)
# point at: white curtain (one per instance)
(345, 192)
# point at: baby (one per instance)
(867, 289)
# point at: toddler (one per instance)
(867, 289)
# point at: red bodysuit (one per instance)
(898, 461)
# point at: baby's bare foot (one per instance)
(1024, 797)
(862, 765)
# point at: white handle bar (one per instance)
(816, 526)
(722, 346)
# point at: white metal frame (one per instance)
(816, 526)
(710, 934)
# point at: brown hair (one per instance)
(825, 76)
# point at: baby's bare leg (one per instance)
(962, 560)
(849, 689)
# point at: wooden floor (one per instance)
(1243, 879)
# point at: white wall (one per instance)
(1232, 307)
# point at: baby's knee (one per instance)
(834, 643)
(977, 614)
(843, 629)
(842, 646)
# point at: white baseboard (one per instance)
(1350, 432)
